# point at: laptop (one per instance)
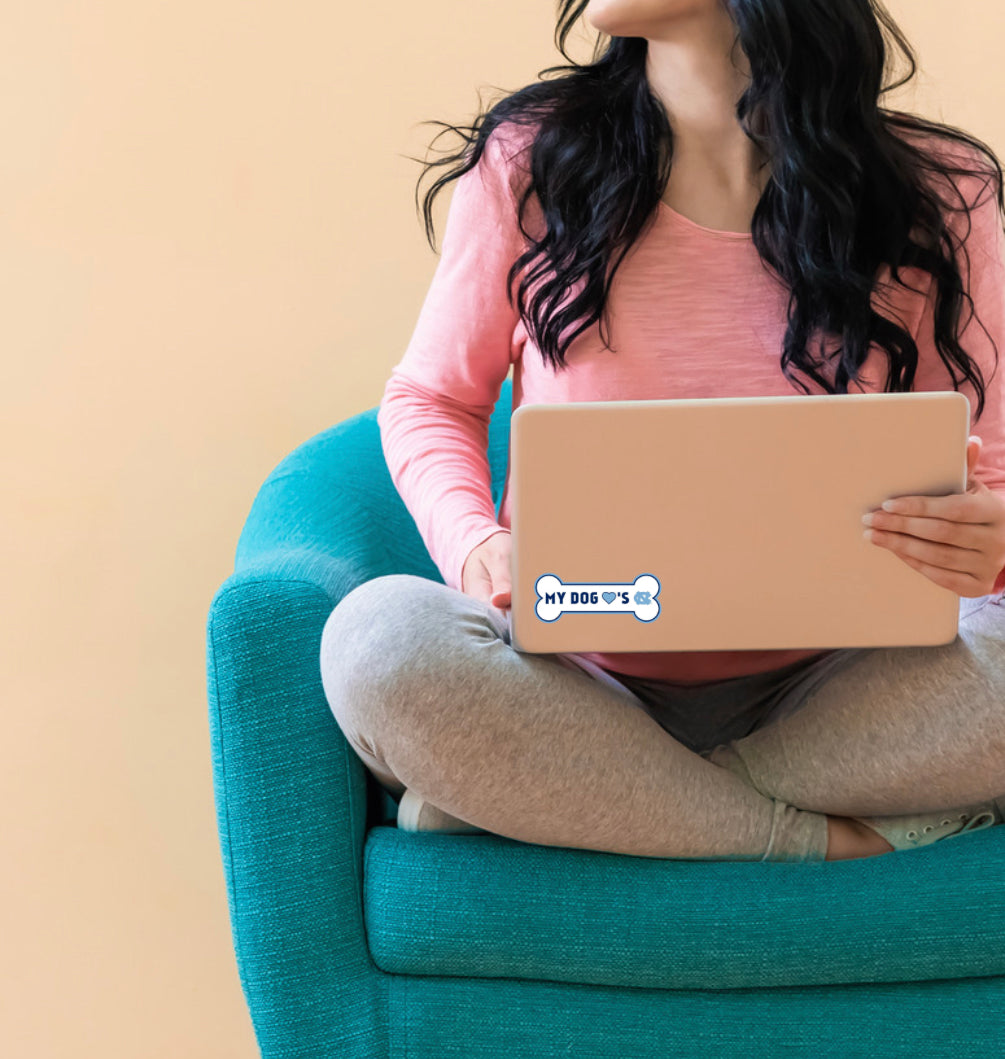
(726, 524)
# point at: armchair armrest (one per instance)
(291, 802)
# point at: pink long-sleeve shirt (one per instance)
(694, 314)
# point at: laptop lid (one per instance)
(726, 523)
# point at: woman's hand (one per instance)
(486, 571)
(957, 541)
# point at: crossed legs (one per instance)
(424, 683)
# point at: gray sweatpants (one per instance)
(430, 693)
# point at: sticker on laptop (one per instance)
(557, 597)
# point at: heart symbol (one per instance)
(609, 597)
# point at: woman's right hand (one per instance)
(486, 571)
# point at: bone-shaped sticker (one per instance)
(556, 597)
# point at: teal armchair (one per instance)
(355, 939)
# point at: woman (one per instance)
(720, 194)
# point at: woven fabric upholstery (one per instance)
(355, 939)
(569, 915)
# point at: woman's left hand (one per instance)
(957, 541)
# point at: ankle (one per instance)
(848, 839)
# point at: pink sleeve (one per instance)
(984, 279)
(435, 411)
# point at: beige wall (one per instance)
(210, 253)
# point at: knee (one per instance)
(373, 620)
(371, 644)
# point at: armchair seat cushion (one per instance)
(487, 906)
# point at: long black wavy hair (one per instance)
(846, 194)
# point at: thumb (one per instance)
(501, 585)
(974, 445)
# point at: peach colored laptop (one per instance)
(726, 524)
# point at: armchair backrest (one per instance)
(334, 495)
